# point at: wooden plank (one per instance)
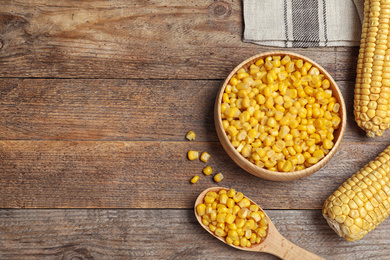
(106, 109)
(75, 109)
(141, 39)
(151, 174)
(163, 234)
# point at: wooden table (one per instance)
(95, 100)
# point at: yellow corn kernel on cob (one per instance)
(372, 88)
(362, 202)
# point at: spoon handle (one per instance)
(279, 246)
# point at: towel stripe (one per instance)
(305, 23)
(325, 22)
(285, 24)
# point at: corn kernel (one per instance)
(194, 179)
(201, 209)
(212, 227)
(193, 155)
(254, 208)
(205, 156)
(312, 160)
(262, 232)
(230, 203)
(207, 170)
(220, 232)
(236, 209)
(244, 203)
(223, 198)
(319, 154)
(238, 197)
(232, 131)
(218, 177)
(327, 144)
(231, 193)
(209, 199)
(190, 135)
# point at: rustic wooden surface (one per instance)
(95, 100)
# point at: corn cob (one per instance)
(372, 88)
(362, 202)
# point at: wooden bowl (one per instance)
(262, 172)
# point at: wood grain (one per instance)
(89, 143)
(163, 234)
(95, 101)
(106, 109)
(151, 174)
(142, 39)
(111, 109)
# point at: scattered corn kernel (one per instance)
(205, 156)
(245, 226)
(195, 179)
(190, 135)
(218, 177)
(193, 155)
(274, 120)
(207, 170)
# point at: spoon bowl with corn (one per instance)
(233, 208)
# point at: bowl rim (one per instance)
(262, 172)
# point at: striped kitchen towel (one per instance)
(303, 23)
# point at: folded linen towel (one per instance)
(303, 23)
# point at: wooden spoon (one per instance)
(274, 243)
